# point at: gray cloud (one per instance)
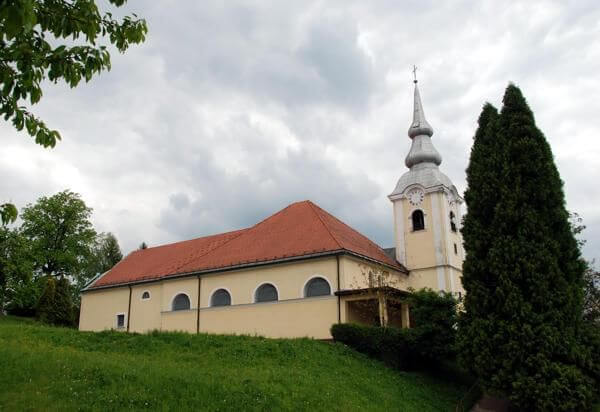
(230, 112)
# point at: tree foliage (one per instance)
(60, 233)
(591, 296)
(57, 40)
(591, 278)
(16, 265)
(55, 306)
(109, 250)
(523, 272)
(433, 319)
(8, 213)
(429, 341)
(56, 240)
(105, 254)
(47, 303)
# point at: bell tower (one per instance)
(427, 213)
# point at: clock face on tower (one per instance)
(415, 196)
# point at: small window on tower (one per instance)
(455, 249)
(452, 222)
(418, 220)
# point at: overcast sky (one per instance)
(232, 110)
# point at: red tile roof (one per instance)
(300, 229)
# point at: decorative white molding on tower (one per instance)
(427, 213)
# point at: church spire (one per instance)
(419, 125)
(422, 150)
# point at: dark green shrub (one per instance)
(523, 273)
(548, 382)
(63, 303)
(47, 302)
(434, 317)
(55, 306)
(589, 354)
(395, 347)
(430, 343)
(24, 297)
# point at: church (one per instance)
(297, 272)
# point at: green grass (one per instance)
(47, 368)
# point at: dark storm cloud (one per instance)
(231, 111)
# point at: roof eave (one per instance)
(398, 268)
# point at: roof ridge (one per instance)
(273, 215)
(190, 240)
(312, 207)
(351, 228)
(242, 231)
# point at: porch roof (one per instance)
(387, 290)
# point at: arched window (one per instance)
(317, 287)
(418, 220)
(266, 293)
(220, 298)
(181, 302)
(452, 222)
(145, 295)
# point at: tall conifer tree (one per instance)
(523, 272)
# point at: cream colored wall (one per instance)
(354, 274)
(451, 238)
(173, 287)
(292, 315)
(424, 278)
(146, 314)
(311, 317)
(99, 308)
(181, 321)
(420, 251)
(288, 278)
(456, 276)
(430, 255)
(430, 278)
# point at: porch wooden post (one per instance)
(383, 315)
(405, 315)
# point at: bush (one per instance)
(549, 382)
(64, 303)
(46, 304)
(24, 296)
(433, 321)
(429, 343)
(589, 354)
(395, 347)
(55, 306)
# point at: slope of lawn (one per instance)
(47, 368)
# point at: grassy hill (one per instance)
(45, 368)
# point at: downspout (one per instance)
(339, 301)
(129, 308)
(198, 308)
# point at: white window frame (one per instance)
(225, 289)
(303, 290)
(410, 220)
(149, 295)
(117, 327)
(265, 283)
(173, 301)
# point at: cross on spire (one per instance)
(414, 71)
